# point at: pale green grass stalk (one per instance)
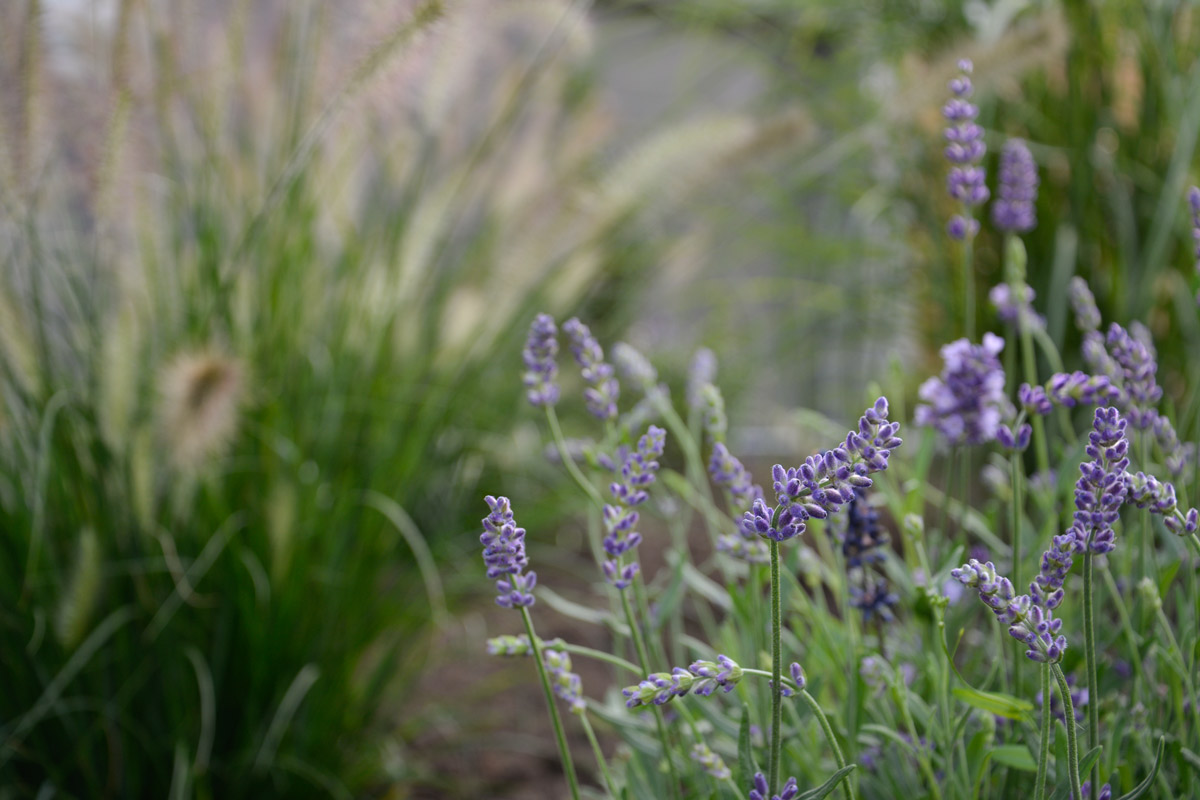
(564, 750)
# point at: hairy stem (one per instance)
(776, 673)
(1089, 649)
(1039, 791)
(560, 735)
(600, 760)
(643, 658)
(1064, 690)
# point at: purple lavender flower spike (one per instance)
(504, 555)
(863, 540)
(965, 149)
(798, 676)
(1138, 366)
(967, 402)
(760, 790)
(728, 473)
(1085, 788)
(540, 368)
(1070, 389)
(1087, 316)
(603, 390)
(635, 475)
(1013, 211)
(1015, 441)
(1034, 400)
(1016, 310)
(703, 677)
(1028, 621)
(875, 601)
(1103, 484)
(825, 481)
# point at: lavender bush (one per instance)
(857, 566)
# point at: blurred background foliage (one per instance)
(267, 267)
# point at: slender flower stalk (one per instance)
(1064, 690)
(1039, 791)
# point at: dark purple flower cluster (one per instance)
(541, 369)
(760, 790)
(1103, 484)
(1068, 389)
(1085, 788)
(1016, 307)
(1014, 211)
(702, 677)
(636, 473)
(504, 554)
(1016, 440)
(603, 390)
(877, 600)
(825, 482)
(1028, 622)
(863, 539)
(967, 403)
(967, 181)
(1138, 367)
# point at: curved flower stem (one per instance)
(640, 645)
(828, 731)
(1064, 690)
(600, 760)
(776, 673)
(600, 655)
(560, 444)
(560, 736)
(1089, 650)
(1039, 791)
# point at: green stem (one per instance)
(776, 673)
(560, 735)
(969, 282)
(600, 655)
(640, 646)
(1089, 650)
(1039, 791)
(1064, 690)
(1039, 425)
(1135, 656)
(1017, 479)
(561, 444)
(600, 760)
(827, 729)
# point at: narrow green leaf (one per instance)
(1144, 786)
(828, 786)
(998, 703)
(1063, 792)
(745, 757)
(1016, 756)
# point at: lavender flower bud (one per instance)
(1034, 400)
(967, 403)
(710, 761)
(504, 555)
(659, 688)
(728, 473)
(702, 372)
(1103, 484)
(760, 790)
(509, 646)
(566, 684)
(540, 368)
(1087, 316)
(724, 673)
(1016, 307)
(1016, 442)
(1085, 789)
(1014, 211)
(603, 390)
(798, 676)
(712, 404)
(1194, 202)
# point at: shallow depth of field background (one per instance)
(266, 269)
